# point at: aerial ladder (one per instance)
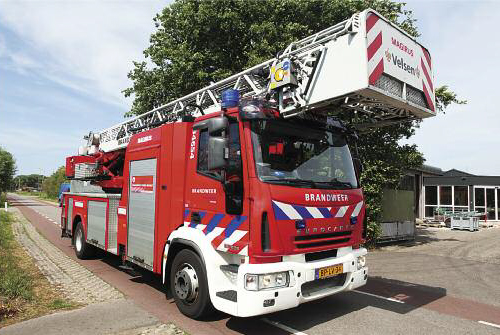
(363, 65)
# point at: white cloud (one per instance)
(84, 45)
(460, 36)
(45, 149)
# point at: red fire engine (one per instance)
(244, 195)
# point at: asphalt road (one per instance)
(448, 283)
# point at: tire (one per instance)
(83, 250)
(186, 269)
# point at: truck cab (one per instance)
(279, 201)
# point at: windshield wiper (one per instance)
(294, 181)
(312, 183)
(337, 182)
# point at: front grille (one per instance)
(319, 285)
(316, 256)
(322, 236)
(319, 240)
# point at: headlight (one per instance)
(361, 262)
(252, 282)
(266, 281)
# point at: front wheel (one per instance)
(189, 286)
(83, 250)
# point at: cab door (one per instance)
(214, 199)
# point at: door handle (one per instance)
(195, 217)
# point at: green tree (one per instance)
(51, 185)
(31, 180)
(199, 42)
(7, 170)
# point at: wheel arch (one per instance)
(172, 248)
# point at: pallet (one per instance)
(434, 225)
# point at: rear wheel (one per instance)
(83, 250)
(189, 286)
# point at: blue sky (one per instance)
(465, 48)
(63, 66)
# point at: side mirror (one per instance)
(216, 125)
(217, 152)
(358, 166)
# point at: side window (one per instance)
(233, 184)
(203, 151)
(234, 164)
(202, 164)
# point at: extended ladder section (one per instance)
(364, 65)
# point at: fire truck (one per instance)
(244, 196)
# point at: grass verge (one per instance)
(25, 293)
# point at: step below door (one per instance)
(141, 213)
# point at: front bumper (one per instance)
(251, 303)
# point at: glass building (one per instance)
(457, 191)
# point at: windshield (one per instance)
(288, 153)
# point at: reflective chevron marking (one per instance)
(235, 237)
(357, 209)
(284, 211)
(341, 212)
(223, 235)
(315, 212)
(214, 233)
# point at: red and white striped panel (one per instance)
(375, 51)
(235, 242)
(380, 53)
(427, 86)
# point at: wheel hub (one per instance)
(186, 283)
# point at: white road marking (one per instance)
(489, 324)
(380, 297)
(284, 327)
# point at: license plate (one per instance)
(329, 271)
